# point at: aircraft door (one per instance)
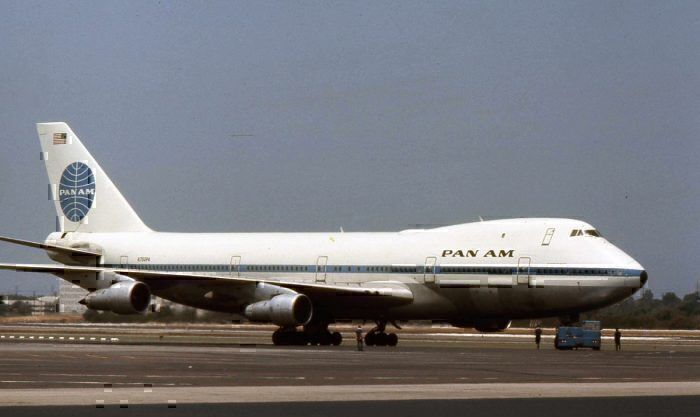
(321, 268)
(523, 271)
(124, 261)
(547, 239)
(429, 270)
(235, 267)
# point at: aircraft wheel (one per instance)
(392, 339)
(382, 339)
(325, 339)
(370, 339)
(281, 338)
(336, 338)
(276, 338)
(299, 339)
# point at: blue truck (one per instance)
(573, 337)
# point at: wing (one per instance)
(391, 290)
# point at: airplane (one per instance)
(482, 274)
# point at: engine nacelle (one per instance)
(285, 310)
(125, 297)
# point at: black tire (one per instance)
(381, 339)
(336, 339)
(325, 339)
(392, 339)
(277, 338)
(370, 339)
(283, 338)
(299, 339)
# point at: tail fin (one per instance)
(86, 199)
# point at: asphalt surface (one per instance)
(247, 335)
(677, 406)
(46, 365)
(159, 371)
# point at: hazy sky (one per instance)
(370, 116)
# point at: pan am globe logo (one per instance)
(76, 191)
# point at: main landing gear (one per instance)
(378, 336)
(311, 335)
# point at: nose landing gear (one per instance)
(378, 336)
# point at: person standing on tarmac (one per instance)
(618, 337)
(538, 336)
(360, 341)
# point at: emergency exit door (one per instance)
(124, 261)
(523, 271)
(429, 270)
(235, 267)
(321, 268)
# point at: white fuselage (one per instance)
(494, 269)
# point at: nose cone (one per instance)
(622, 259)
(636, 266)
(643, 278)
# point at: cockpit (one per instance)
(587, 232)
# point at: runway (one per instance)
(45, 365)
(186, 368)
(677, 406)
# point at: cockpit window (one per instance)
(589, 232)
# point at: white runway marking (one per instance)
(101, 383)
(87, 375)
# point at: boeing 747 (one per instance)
(480, 275)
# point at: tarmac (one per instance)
(236, 368)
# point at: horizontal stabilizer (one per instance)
(55, 248)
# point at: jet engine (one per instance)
(285, 310)
(124, 297)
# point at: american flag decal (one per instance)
(59, 138)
